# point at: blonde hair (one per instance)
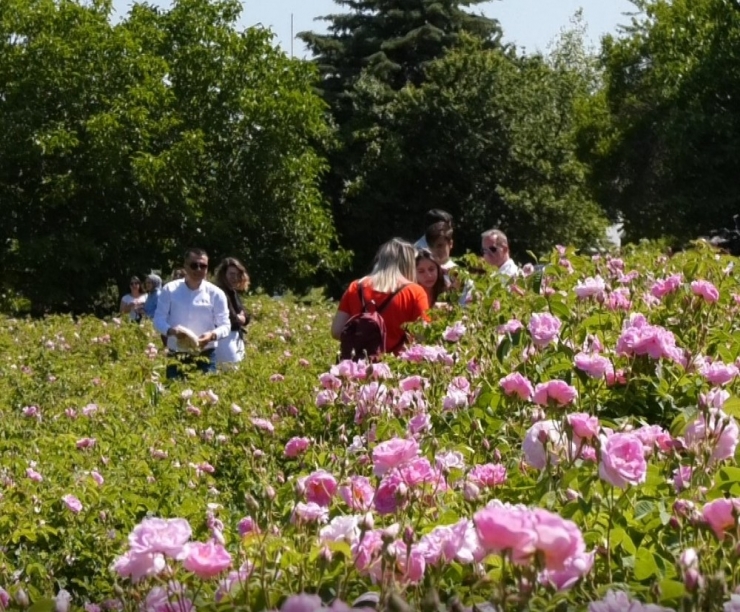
(395, 262)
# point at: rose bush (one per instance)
(569, 442)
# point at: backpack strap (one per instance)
(388, 300)
(361, 291)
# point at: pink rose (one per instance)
(558, 539)
(157, 535)
(593, 364)
(296, 446)
(247, 525)
(622, 460)
(358, 494)
(619, 601)
(682, 478)
(721, 514)
(718, 373)
(263, 424)
(556, 392)
(516, 384)
(413, 383)
(544, 434)
(488, 475)
(665, 286)
(454, 333)
(320, 487)
(506, 528)
(591, 287)
(721, 430)
(138, 565)
(574, 569)
(73, 504)
(584, 425)
(393, 453)
(206, 560)
(309, 513)
(544, 328)
(706, 290)
(510, 327)
(302, 603)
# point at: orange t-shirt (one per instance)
(408, 305)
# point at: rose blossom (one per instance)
(665, 286)
(544, 328)
(296, 446)
(206, 560)
(488, 475)
(720, 514)
(622, 460)
(584, 425)
(72, 503)
(157, 535)
(309, 513)
(516, 384)
(543, 434)
(556, 391)
(593, 364)
(591, 287)
(706, 290)
(320, 487)
(358, 494)
(393, 453)
(721, 431)
(619, 601)
(718, 373)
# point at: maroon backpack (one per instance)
(363, 335)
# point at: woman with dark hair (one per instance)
(232, 279)
(133, 303)
(429, 275)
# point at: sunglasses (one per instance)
(194, 265)
(134, 284)
(489, 250)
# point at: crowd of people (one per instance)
(202, 324)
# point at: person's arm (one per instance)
(220, 318)
(337, 325)
(162, 314)
(125, 307)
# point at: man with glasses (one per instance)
(495, 250)
(193, 314)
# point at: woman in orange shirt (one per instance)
(393, 274)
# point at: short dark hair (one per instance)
(435, 215)
(441, 229)
(194, 252)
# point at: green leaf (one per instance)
(645, 566)
(42, 605)
(671, 591)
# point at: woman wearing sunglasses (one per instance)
(132, 303)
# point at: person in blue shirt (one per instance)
(153, 287)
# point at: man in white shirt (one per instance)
(495, 249)
(435, 215)
(192, 309)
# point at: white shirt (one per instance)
(509, 268)
(201, 310)
(136, 301)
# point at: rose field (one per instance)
(565, 443)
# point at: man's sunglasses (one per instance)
(194, 265)
(489, 250)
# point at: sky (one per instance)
(531, 24)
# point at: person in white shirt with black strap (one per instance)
(193, 314)
(495, 250)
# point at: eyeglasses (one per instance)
(489, 250)
(194, 265)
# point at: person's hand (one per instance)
(242, 318)
(206, 339)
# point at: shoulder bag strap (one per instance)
(388, 300)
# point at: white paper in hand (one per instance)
(187, 341)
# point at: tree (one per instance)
(488, 137)
(662, 138)
(122, 145)
(388, 43)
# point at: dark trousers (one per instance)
(180, 363)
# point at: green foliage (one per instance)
(192, 449)
(123, 144)
(488, 137)
(662, 136)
